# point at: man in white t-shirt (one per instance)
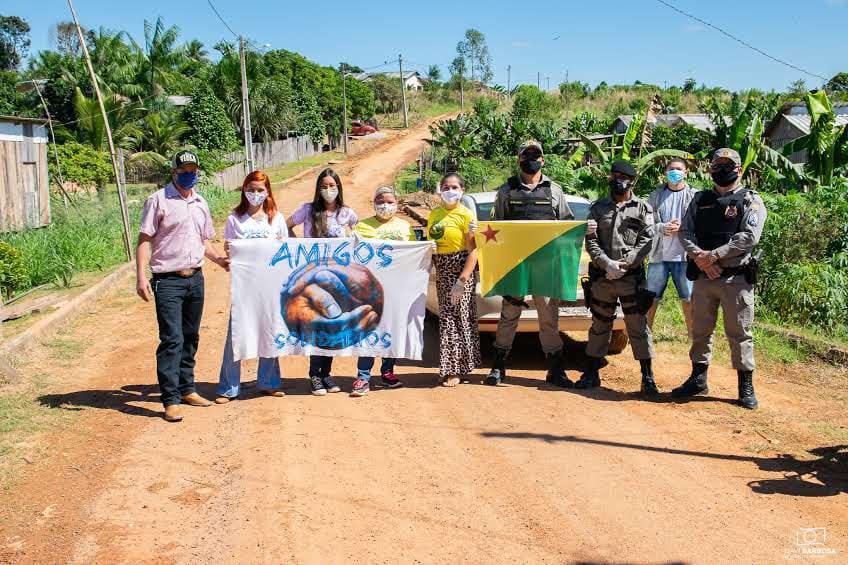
(668, 259)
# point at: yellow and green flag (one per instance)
(530, 257)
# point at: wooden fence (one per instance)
(265, 156)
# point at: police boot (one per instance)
(498, 372)
(556, 374)
(746, 390)
(649, 387)
(590, 378)
(695, 384)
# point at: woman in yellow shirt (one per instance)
(382, 225)
(452, 227)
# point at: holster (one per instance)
(644, 299)
(692, 270)
(586, 283)
(752, 272)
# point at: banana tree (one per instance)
(826, 144)
(458, 136)
(629, 148)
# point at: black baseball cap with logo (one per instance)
(183, 158)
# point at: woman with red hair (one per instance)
(256, 216)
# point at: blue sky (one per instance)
(618, 41)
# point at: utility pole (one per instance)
(548, 78)
(461, 91)
(122, 197)
(403, 92)
(344, 108)
(245, 106)
(508, 84)
(538, 80)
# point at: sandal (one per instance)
(450, 381)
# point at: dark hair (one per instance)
(680, 160)
(449, 175)
(319, 221)
(269, 206)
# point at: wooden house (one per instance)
(24, 188)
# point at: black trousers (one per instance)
(320, 365)
(179, 307)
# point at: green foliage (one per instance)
(14, 42)
(587, 122)
(82, 165)
(485, 106)
(838, 83)
(207, 118)
(13, 275)
(804, 244)
(683, 137)
(530, 103)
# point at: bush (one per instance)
(530, 103)
(683, 137)
(13, 273)
(211, 128)
(809, 293)
(83, 165)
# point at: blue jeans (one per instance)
(658, 274)
(229, 380)
(364, 365)
(179, 307)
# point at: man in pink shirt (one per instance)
(174, 237)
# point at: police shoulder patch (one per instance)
(753, 220)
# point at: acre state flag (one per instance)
(530, 257)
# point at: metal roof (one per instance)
(801, 122)
(21, 120)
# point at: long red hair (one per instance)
(269, 206)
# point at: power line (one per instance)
(223, 21)
(740, 41)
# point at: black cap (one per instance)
(624, 168)
(185, 157)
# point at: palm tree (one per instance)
(160, 58)
(161, 133)
(121, 115)
(195, 51)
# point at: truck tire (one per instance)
(618, 341)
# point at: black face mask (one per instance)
(724, 175)
(619, 186)
(530, 167)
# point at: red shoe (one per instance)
(389, 380)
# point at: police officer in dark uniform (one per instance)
(530, 196)
(719, 232)
(619, 237)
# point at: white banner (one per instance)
(345, 296)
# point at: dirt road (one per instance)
(516, 474)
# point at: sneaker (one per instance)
(317, 385)
(330, 384)
(389, 380)
(360, 388)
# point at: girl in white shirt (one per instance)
(256, 216)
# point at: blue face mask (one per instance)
(675, 176)
(187, 180)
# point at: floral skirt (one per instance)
(459, 338)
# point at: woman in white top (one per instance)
(256, 216)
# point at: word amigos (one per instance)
(323, 253)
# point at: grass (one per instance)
(419, 109)
(771, 348)
(407, 177)
(288, 170)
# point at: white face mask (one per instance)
(329, 194)
(256, 198)
(450, 196)
(385, 211)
